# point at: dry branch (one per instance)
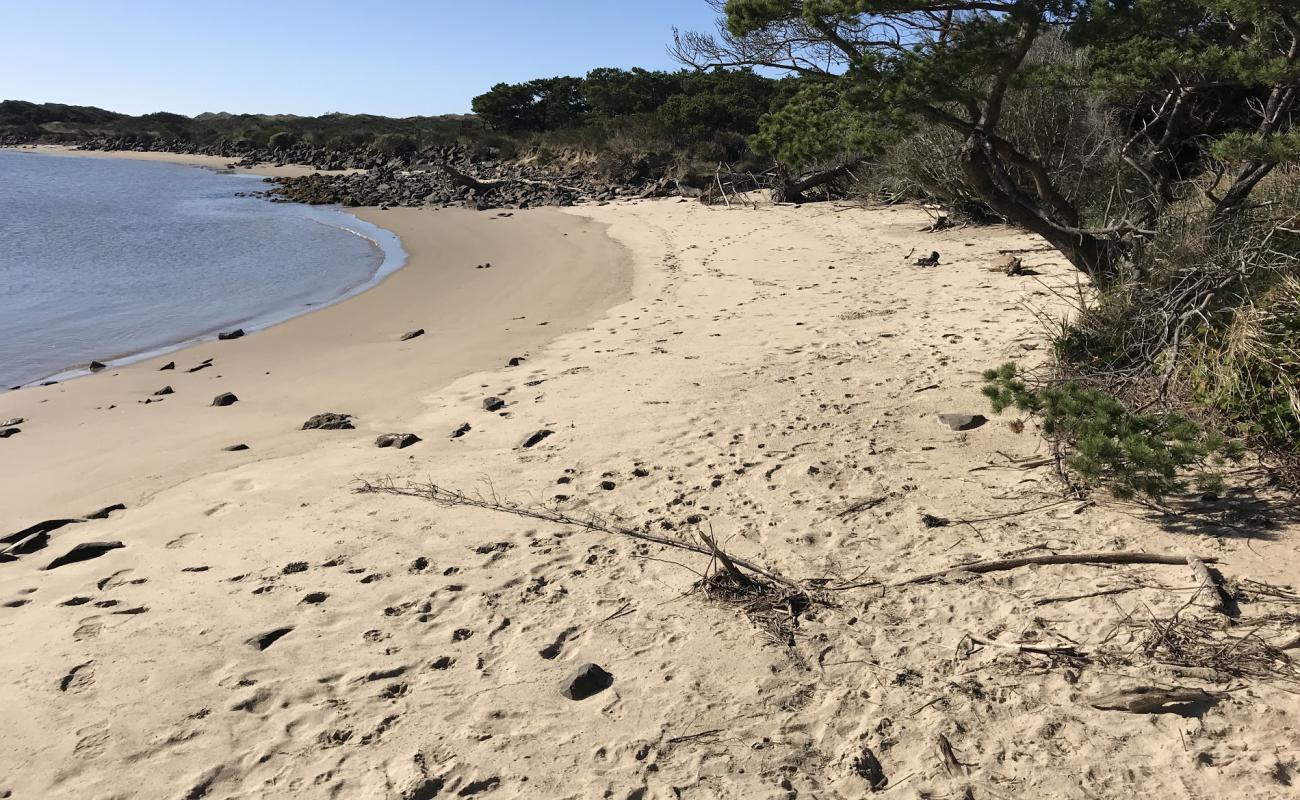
(452, 497)
(998, 565)
(1208, 588)
(1061, 650)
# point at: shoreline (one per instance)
(474, 320)
(392, 257)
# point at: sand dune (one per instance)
(773, 374)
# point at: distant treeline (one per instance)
(688, 115)
(55, 122)
(709, 114)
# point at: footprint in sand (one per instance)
(180, 541)
(79, 678)
(91, 741)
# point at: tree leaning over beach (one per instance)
(1082, 122)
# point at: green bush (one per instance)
(1132, 454)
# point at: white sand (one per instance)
(771, 368)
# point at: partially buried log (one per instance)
(998, 565)
(1152, 699)
(1208, 590)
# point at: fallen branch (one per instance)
(981, 567)
(1061, 650)
(1207, 586)
(1072, 597)
(453, 497)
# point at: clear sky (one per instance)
(391, 57)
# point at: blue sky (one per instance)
(392, 57)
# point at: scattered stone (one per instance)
(84, 552)
(96, 366)
(868, 767)
(293, 567)
(315, 598)
(329, 421)
(516, 361)
(536, 437)
(607, 485)
(207, 362)
(228, 335)
(45, 526)
(163, 391)
(5, 433)
(105, 511)
(641, 472)
(9, 423)
(235, 448)
(225, 399)
(397, 440)
(409, 335)
(443, 662)
(461, 431)
(491, 404)
(588, 680)
(931, 521)
(168, 365)
(29, 544)
(265, 640)
(963, 422)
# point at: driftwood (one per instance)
(453, 497)
(1151, 699)
(998, 565)
(1062, 650)
(788, 189)
(1208, 589)
(483, 187)
(948, 757)
(1289, 644)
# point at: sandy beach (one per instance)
(771, 374)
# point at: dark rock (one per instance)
(293, 567)
(588, 680)
(931, 521)
(516, 361)
(265, 640)
(607, 485)
(96, 366)
(315, 598)
(9, 423)
(868, 767)
(225, 399)
(45, 526)
(641, 472)
(228, 335)
(29, 544)
(536, 437)
(235, 448)
(409, 335)
(168, 365)
(461, 431)
(84, 552)
(163, 391)
(207, 362)
(5, 433)
(329, 421)
(397, 440)
(493, 404)
(963, 422)
(105, 511)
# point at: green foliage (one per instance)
(1131, 453)
(818, 123)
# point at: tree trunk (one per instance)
(788, 189)
(1095, 256)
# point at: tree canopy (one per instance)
(1197, 89)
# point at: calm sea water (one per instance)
(109, 260)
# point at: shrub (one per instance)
(1131, 453)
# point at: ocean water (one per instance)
(114, 260)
